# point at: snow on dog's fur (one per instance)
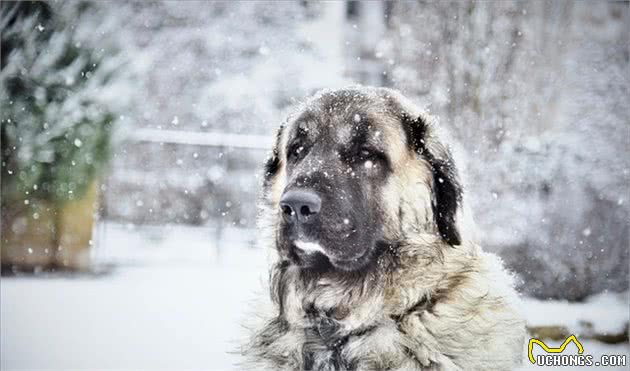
(382, 277)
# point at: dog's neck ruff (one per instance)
(393, 315)
(347, 302)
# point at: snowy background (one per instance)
(536, 94)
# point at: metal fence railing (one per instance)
(145, 173)
(212, 139)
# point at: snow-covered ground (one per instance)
(604, 313)
(172, 301)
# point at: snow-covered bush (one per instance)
(55, 134)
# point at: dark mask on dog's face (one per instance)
(338, 204)
(331, 206)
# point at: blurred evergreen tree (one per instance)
(55, 135)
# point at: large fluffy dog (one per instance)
(362, 199)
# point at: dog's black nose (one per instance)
(300, 204)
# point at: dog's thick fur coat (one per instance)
(430, 300)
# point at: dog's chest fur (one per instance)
(320, 320)
(447, 311)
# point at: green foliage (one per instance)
(55, 135)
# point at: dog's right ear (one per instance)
(273, 163)
(446, 184)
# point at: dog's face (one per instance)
(352, 174)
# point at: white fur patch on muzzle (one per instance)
(309, 247)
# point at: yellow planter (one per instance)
(28, 236)
(75, 220)
(42, 235)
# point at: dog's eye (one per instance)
(363, 154)
(367, 153)
(371, 157)
(296, 151)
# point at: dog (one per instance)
(360, 203)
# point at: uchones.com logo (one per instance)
(558, 356)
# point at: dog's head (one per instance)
(354, 172)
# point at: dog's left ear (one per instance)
(446, 184)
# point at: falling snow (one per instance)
(539, 132)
